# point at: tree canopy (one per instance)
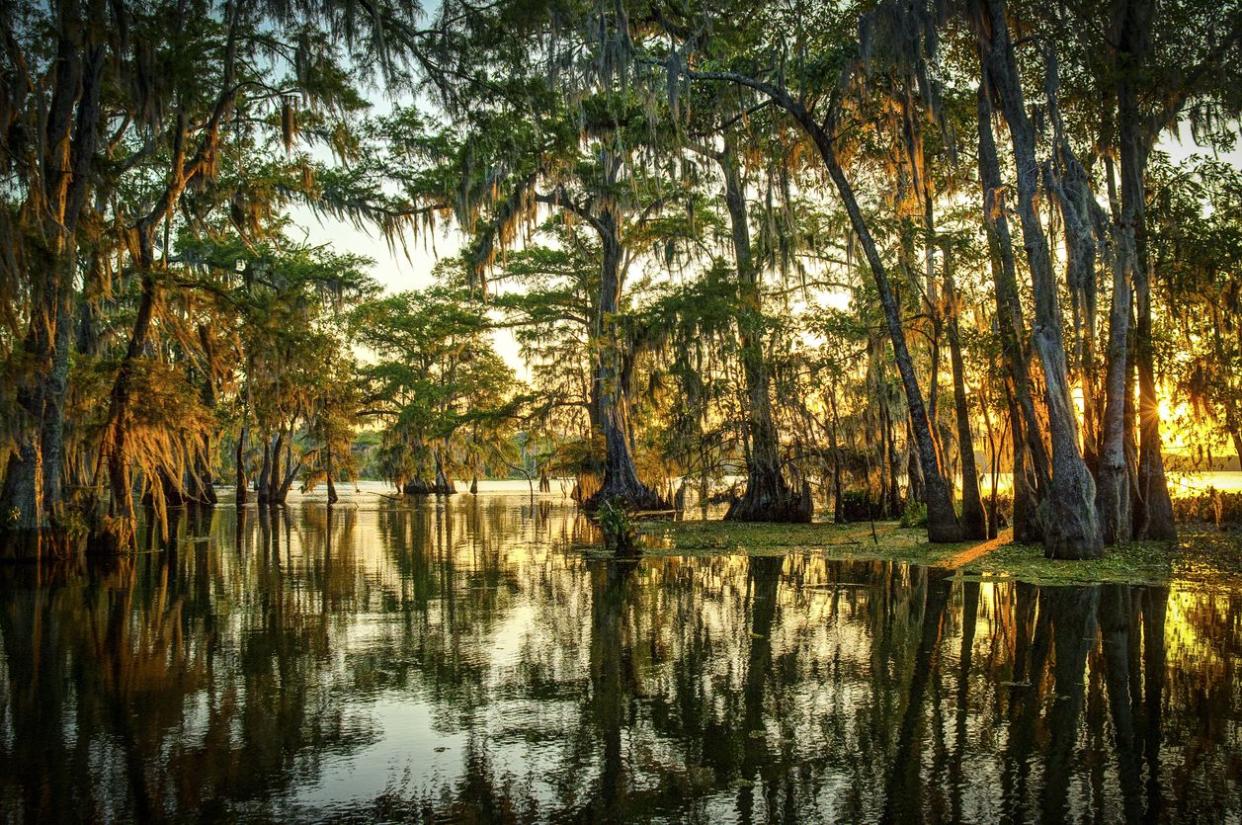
(920, 260)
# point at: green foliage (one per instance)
(620, 532)
(914, 514)
(448, 402)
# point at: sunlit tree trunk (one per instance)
(1113, 497)
(1028, 438)
(1070, 525)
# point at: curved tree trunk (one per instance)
(291, 472)
(114, 448)
(942, 523)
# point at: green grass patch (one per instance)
(1205, 557)
(1202, 556)
(1135, 563)
(887, 541)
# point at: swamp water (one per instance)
(464, 660)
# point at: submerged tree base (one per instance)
(632, 497)
(774, 503)
(419, 487)
(1070, 527)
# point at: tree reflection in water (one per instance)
(463, 660)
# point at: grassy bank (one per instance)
(1202, 556)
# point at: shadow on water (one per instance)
(459, 660)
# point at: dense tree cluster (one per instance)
(869, 256)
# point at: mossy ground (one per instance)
(1203, 555)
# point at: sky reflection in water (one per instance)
(462, 661)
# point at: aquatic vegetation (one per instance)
(1206, 557)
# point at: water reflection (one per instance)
(461, 661)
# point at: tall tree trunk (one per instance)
(1113, 496)
(239, 487)
(942, 523)
(265, 473)
(1067, 180)
(276, 478)
(1071, 528)
(1073, 193)
(974, 523)
(52, 437)
(114, 447)
(32, 488)
(612, 372)
(1009, 321)
(892, 494)
(1154, 519)
(767, 497)
(1026, 529)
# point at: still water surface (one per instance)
(465, 661)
